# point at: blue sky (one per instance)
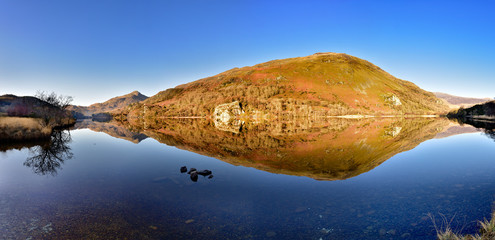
(95, 50)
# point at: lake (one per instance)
(335, 178)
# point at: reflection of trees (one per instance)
(47, 158)
(490, 133)
(323, 149)
(487, 126)
(489, 130)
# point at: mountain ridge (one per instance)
(458, 101)
(322, 84)
(111, 105)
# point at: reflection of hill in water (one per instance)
(332, 150)
(456, 129)
(113, 129)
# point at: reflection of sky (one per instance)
(440, 157)
(94, 51)
(452, 175)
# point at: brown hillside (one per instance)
(323, 84)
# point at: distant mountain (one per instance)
(323, 84)
(112, 105)
(456, 101)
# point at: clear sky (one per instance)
(94, 50)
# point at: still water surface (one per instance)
(386, 179)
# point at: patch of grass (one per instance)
(487, 231)
(17, 128)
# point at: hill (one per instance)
(112, 105)
(15, 106)
(29, 118)
(485, 111)
(323, 84)
(457, 102)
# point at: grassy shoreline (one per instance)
(487, 232)
(25, 128)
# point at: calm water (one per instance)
(352, 180)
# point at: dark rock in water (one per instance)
(194, 176)
(204, 172)
(195, 173)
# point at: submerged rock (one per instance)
(153, 227)
(189, 221)
(405, 235)
(271, 234)
(326, 231)
(301, 209)
(160, 179)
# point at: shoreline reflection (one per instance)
(324, 149)
(46, 157)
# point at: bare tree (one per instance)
(54, 113)
(54, 99)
